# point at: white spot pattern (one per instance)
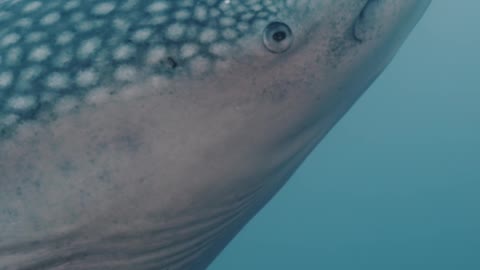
(62, 53)
(65, 37)
(41, 53)
(158, 6)
(21, 103)
(57, 80)
(103, 8)
(88, 47)
(6, 79)
(50, 18)
(155, 55)
(175, 31)
(189, 50)
(125, 73)
(123, 52)
(10, 39)
(142, 35)
(32, 6)
(86, 78)
(13, 56)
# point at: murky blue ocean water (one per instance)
(396, 184)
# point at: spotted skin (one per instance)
(59, 55)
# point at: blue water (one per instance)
(396, 184)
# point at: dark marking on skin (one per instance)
(66, 167)
(173, 64)
(277, 93)
(128, 143)
(11, 213)
(104, 177)
(339, 47)
(37, 184)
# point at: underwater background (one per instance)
(396, 184)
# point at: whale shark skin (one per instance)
(144, 134)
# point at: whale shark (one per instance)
(145, 134)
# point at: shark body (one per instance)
(145, 134)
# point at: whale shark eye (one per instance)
(277, 37)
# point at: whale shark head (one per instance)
(303, 65)
(143, 134)
(58, 55)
